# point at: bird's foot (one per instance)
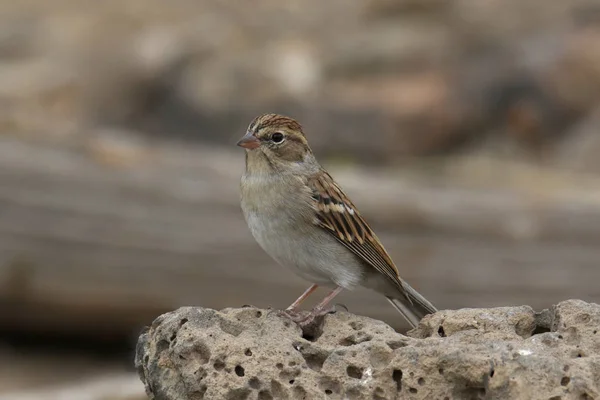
(305, 318)
(294, 315)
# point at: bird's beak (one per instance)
(249, 141)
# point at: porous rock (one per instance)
(249, 353)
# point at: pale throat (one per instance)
(260, 167)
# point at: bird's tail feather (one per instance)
(413, 306)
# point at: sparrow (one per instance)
(302, 218)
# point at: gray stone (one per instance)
(249, 353)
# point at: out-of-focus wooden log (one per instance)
(93, 245)
(115, 387)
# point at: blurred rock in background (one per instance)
(466, 131)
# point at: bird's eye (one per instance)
(277, 137)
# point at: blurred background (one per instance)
(466, 131)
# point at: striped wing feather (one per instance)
(337, 215)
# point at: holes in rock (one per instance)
(239, 370)
(594, 332)
(314, 358)
(278, 391)
(379, 394)
(254, 383)
(313, 331)
(583, 318)
(292, 363)
(380, 358)
(540, 329)
(288, 374)
(146, 359)
(492, 372)
(248, 352)
(566, 368)
(279, 365)
(441, 371)
(441, 331)
(397, 377)
(238, 394)
(200, 374)
(357, 326)
(470, 392)
(183, 322)
(522, 329)
(173, 337)
(201, 352)
(291, 382)
(354, 393)
(231, 327)
(412, 390)
(354, 372)
(300, 393)
(265, 395)
(396, 344)
(565, 381)
(162, 346)
(329, 386)
(560, 336)
(357, 338)
(219, 365)
(258, 314)
(421, 381)
(199, 394)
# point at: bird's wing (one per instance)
(338, 216)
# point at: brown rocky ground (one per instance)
(249, 353)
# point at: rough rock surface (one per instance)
(499, 353)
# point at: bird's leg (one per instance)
(302, 297)
(292, 311)
(321, 308)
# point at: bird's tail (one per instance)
(412, 305)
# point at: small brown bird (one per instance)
(303, 219)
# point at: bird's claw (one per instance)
(296, 316)
(304, 318)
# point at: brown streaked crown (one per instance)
(274, 122)
(294, 146)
